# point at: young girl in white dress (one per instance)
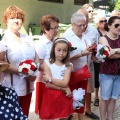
(57, 98)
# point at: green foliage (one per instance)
(117, 5)
(111, 5)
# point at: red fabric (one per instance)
(24, 102)
(79, 75)
(81, 84)
(55, 104)
(39, 95)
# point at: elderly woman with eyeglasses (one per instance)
(78, 57)
(109, 76)
(50, 27)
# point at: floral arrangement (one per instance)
(78, 98)
(104, 52)
(27, 67)
(72, 48)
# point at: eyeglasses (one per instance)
(80, 25)
(90, 11)
(101, 21)
(117, 25)
(55, 28)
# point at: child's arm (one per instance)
(61, 83)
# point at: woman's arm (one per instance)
(114, 53)
(61, 83)
(81, 54)
(11, 69)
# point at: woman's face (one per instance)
(54, 29)
(79, 28)
(115, 27)
(101, 22)
(14, 24)
(90, 12)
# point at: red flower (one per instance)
(25, 70)
(70, 44)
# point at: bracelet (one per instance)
(50, 79)
(116, 50)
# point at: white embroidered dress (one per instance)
(16, 53)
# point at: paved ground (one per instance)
(33, 116)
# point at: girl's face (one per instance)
(52, 33)
(115, 27)
(61, 50)
(14, 24)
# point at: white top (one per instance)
(81, 45)
(2, 47)
(17, 52)
(57, 71)
(91, 35)
(43, 47)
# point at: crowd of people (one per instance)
(56, 62)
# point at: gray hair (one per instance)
(76, 17)
(98, 17)
(113, 13)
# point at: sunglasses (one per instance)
(117, 25)
(101, 21)
(90, 11)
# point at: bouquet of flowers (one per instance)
(27, 67)
(78, 98)
(72, 48)
(104, 52)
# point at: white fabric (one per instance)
(91, 35)
(99, 46)
(43, 47)
(78, 98)
(80, 44)
(57, 71)
(16, 53)
(2, 47)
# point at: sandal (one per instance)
(96, 102)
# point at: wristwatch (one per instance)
(50, 79)
(116, 50)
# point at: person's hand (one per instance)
(86, 52)
(68, 92)
(45, 77)
(31, 78)
(92, 48)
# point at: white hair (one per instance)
(98, 16)
(113, 13)
(77, 17)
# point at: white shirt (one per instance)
(81, 45)
(91, 35)
(43, 47)
(16, 53)
(56, 71)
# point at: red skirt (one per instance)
(39, 95)
(83, 85)
(55, 104)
